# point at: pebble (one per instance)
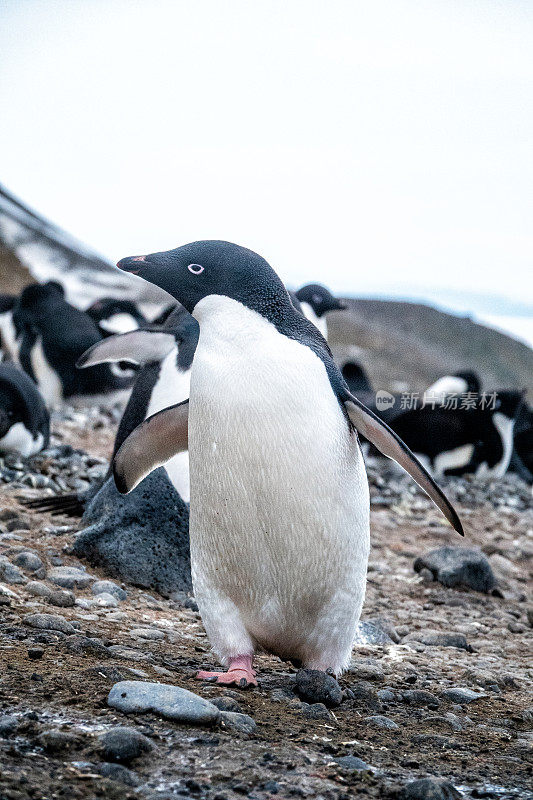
(430, 789)
(462, 695)
(418, 697)
(458, 566)
(124, 744)
(380, 721)
(54, 740)
(147, 633)
(70, 577)
(376, 632)
(315, 711)
(234, 721)
(171, 702)
(105, 600)
(30, 562)
(315, 686)
(34, 653)
(38, 589)
(49, 622)
(116, 772)
(62, 598)
(10, 573)
(386, 696)
(8, 725)
(366, 672)
(437, 639)
(225, 703)
(108, 587)
(353, 763)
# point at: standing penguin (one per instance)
(315, 301)
(24, 420)
(113, 315)
(8, 334)
(53, 336)
(279, 514)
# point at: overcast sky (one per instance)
(379, 147)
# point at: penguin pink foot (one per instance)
(240, 673)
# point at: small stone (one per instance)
(171, 702)
(70, 577)
(418, 697)
(315, 686)
(105, 600)
(118, 773)
(380, 721)
(353, 763)
(54, 741)
(49, 622)
(10, 573)
(386, 696)
(226, 704)
(109, 587)
(458, 566)
(516, 627)
(234, 721)
(8, 725)
(62, 598)
(124, 744)
(366, 672)
(34, 653)
(462, 696)
(376, 632)
(315, 711)
(30, 562)
(38, 589)
(430, 789)
(147, 633)
(437, 639)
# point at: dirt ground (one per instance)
(50, 681)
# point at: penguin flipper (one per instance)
(138, 347)
(390, 444)
(154, 442)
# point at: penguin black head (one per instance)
(319, 298)
(472, 381)
(197, 270)
(39, 293)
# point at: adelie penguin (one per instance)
(24, 420)
(53, 335)
(8, 334)
(315, 302)
(113, 315)
(279, 512)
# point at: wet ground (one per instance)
(54, 684)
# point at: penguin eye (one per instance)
(196, 269)
(317, 299)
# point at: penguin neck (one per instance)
(226, 324)
(318, 322)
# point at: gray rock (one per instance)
(30, 562)
(54, 741)
(70, 577)
(49, 622)
(226, 704)
(462, 695)
(8, 725)
(171, 702)
(418, 697)
(438, 639)
(62, 598)
(147, 633)
(430, 789)
(386, 696)
(38, 589)
(380, 721)
(116, 772)
(315, 711)
(109, 587)
(142, 537)
(353, 763)
(459, 566)
(376, 631)
(123, 744)
(105, 600)
(241, 723)
(10, 573)
(315, 686)
(366, 672)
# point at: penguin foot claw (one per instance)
(240, 674)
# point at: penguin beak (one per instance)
(131, 264)
(342, 305)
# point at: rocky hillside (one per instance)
(408, 345)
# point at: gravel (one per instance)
(124, 745)
(458, 566)
(462, 695)
(70, 577)
(314, 686)
(49, 622)
(240, 723)
(171, 702)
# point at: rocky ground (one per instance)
(436, 703)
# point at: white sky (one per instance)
(374, 146)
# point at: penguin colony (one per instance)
(235, 392)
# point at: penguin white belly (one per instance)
(8, 336)
(172, 387)
(279, 522)
(20, 440)
(46, 377)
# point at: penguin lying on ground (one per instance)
(456, 441)
(24, 420)
(279, 514)
(113, 315)
(53, 335)
(8, 335)
(315, 302)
